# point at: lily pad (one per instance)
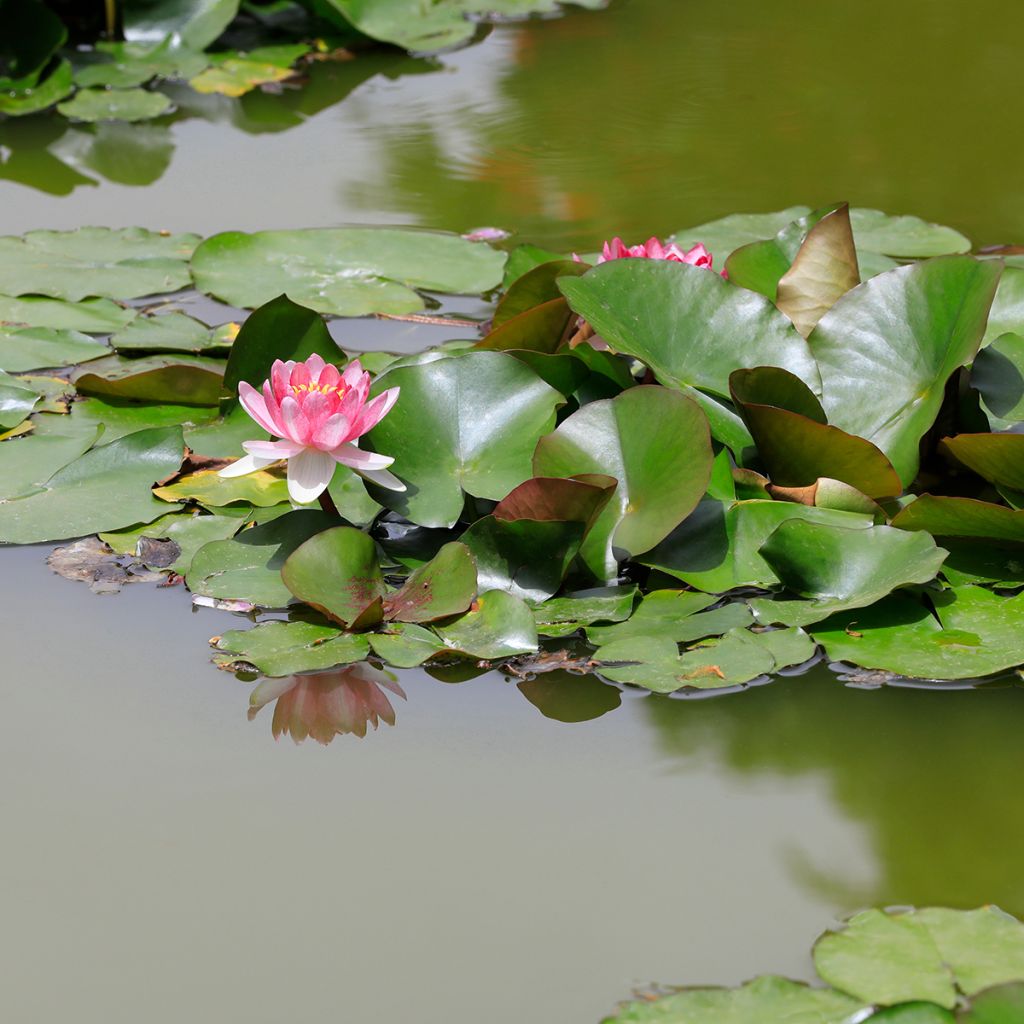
(93, 316)
(121, 65)
(17, 400)
(405, 644)
(655, 443)
(1002, 1004)
(464, 424)
(498, 625)
(445, 586)
(106, 489)
(337, 573)
(927, 954)
(175, 379)
(562, 616)
(284, 648)
(115, 105)
(122, 263)
(659, 614)
(904, 237)
(264, 488)
(344, 271)
(722, 237)
(191, 26)
(887, 348)
(26, 463)
(766, 1000)
(248, 566)
(998, 458)
(33, 348)
(119, 417)
(961, 517)
(237, 75)
(51, 89)
(173, 332)
(998, 376)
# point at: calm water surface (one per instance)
(164, 859)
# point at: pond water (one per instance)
(480, 860)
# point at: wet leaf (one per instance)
(177, 379)
(106, 489)
(235, 76)
(887, 348)
(717, 548)
(248, 566)
(927, 954)
(51, 89)
(337, 573)
(115, 105)
(478, 440)
(656, 444)
(33, 348)
(445, 586)
(345, 271)
(961, 517)
(498, 625)
(95, 316)
(122, 263)
(284, 648)
(264, 488)
(766, 1000)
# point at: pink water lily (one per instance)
(328, 704)
(653, 249)
(318, 413)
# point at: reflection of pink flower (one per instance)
(318, 412)
(328, 704)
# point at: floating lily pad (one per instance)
(655, 443)
(122, 263)
(173, 332)
(33, 348)
(916, 1012)
(498, 625)
(176, 379)
(998, 376)
(93, 316)
(562, 616)
(999, 458)
(444, 586)
(405, 644)
(106, 489)
(345, 271)
(660, 613)
(264, 488)
(125, 65)
(534, 288)
(51, 89)
(119, 417)
(248, 566)
(904, 237)
(766, 1000)
(17, 400)
(925, 954)
(887, 348)
(478, 440)
(189, 26)
(722, 237)
(237, 75)
(1002, 1004)
(284, 648)
(115, 105)
(961, 517)
(26, 463)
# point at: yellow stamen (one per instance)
(323, 389)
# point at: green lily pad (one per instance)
(189, 532)
(904, 237)
(24, 53)
(998, 376)
(1007, 313)
(477, 440)
(722, 237)
(189, 26)
(660, 613)
(562, 616)
(687, 324)
(106, 489)
(961, 517)
(248, 566)
(17, 400)
(765, 1000)
(235, 76)
(122, 263)
(444, 586)
(172, 332)
(264, 488)
(337, 573)
(718, 548)
(440, 25)
(849, 568)
(655, 443)
(927, 954)
(916, 1012)
(51, 89)
(122, 65)
(977, 633)
(1002, 1004)
(998, 458)
(284, 648)
(93, 316)
(33, 348)
(115, 105)
(345, 271)
(26, 463)
(498, 625)
(175, 379)
(119, 417)
(405, 644)
(534, 288)
(887, 348)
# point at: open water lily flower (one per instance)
(318, 412)
(652, 249)
(327, 704)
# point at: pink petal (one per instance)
(296, 427)
(316, 407)
(280, 378)
(315, 364)
(300, 376)
(272, 450)
(352, 373)
(330, 376)
(332, 432)
(254, 404)
(273, 408)
(375, 411)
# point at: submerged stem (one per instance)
(110, 6)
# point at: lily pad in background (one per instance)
(998, 458)
(190, 26)
(33, 348)
(122, 263)
(173, 332)
(17, 400)
(344, 271)
(998, 376)
(92, 316)
(115, 105)
(175, 379)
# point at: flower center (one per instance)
(322, 389)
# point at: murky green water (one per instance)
(166, 860)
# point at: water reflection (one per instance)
(323, 705)
(933, 775)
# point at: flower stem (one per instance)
(327, 504)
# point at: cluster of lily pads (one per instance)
(677, 479)
(222, 46)
(929, 966)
